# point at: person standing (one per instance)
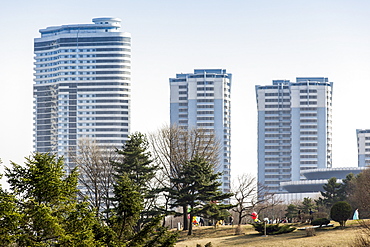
(355, 215)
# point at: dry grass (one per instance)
(225, 236)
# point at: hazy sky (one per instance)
(257, 41)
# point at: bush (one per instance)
(363, 236)
(273, 229)
(320, 222)
(318, 215)
(340, 212)
(310, 232)
(238, 230)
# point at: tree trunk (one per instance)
(185, 218)
(240, 218)
(190, 232)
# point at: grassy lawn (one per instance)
(225, 236)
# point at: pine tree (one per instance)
(331, 194)
(291, 211)
(132, 189)
(45, 199)
(128, 205)
(136, 163)
(200, 186)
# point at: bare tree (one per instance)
(359, 192)
(173, 147)
(266, 200)
(96, 173)
(245, 194)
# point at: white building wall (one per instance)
(82, 86)
(212, 85)
(300, 114)
(363, 147)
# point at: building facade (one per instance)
(202, 100)
(294, 129)
(363, 147)
(81, 86)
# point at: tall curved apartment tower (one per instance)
(82, 85)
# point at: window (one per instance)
(308, 144)
(204, 100)
(205, 118)
(308, 103)
(205, 106)
(205, 112)
(205, 124)
(308, 91)
(205, 89)
(205, 94)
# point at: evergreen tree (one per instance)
(10, 218)
(43, 210)
(133, 224)
(137, 165)
(200, 186)
(128, 205)
(331, 194)
(173, 147)
(340, 212)
(44, 205)
(308, 205)
(344, 190)
(291, 211)
(136, 162)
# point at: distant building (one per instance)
(202, 100)
(363, 147)
(82, 86)
(314, 180)
(294, 129)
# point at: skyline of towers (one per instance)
(82, 86)
(294, 129)
(82, 90)
(202, 100)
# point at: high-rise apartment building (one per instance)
(82, 85)
(294, 129)
(202, 100)
(363, 147)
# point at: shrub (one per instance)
(318, 215)
(310, 232)
(340, 212)
(363, 236)
(238, 230)
(273, 229)
(320, 222)
(208, 245)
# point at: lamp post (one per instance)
(265, 220)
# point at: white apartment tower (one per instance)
(81, 86)
(202, 100)
(363, 147)
(294, 129)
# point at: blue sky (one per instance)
(256, 41)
